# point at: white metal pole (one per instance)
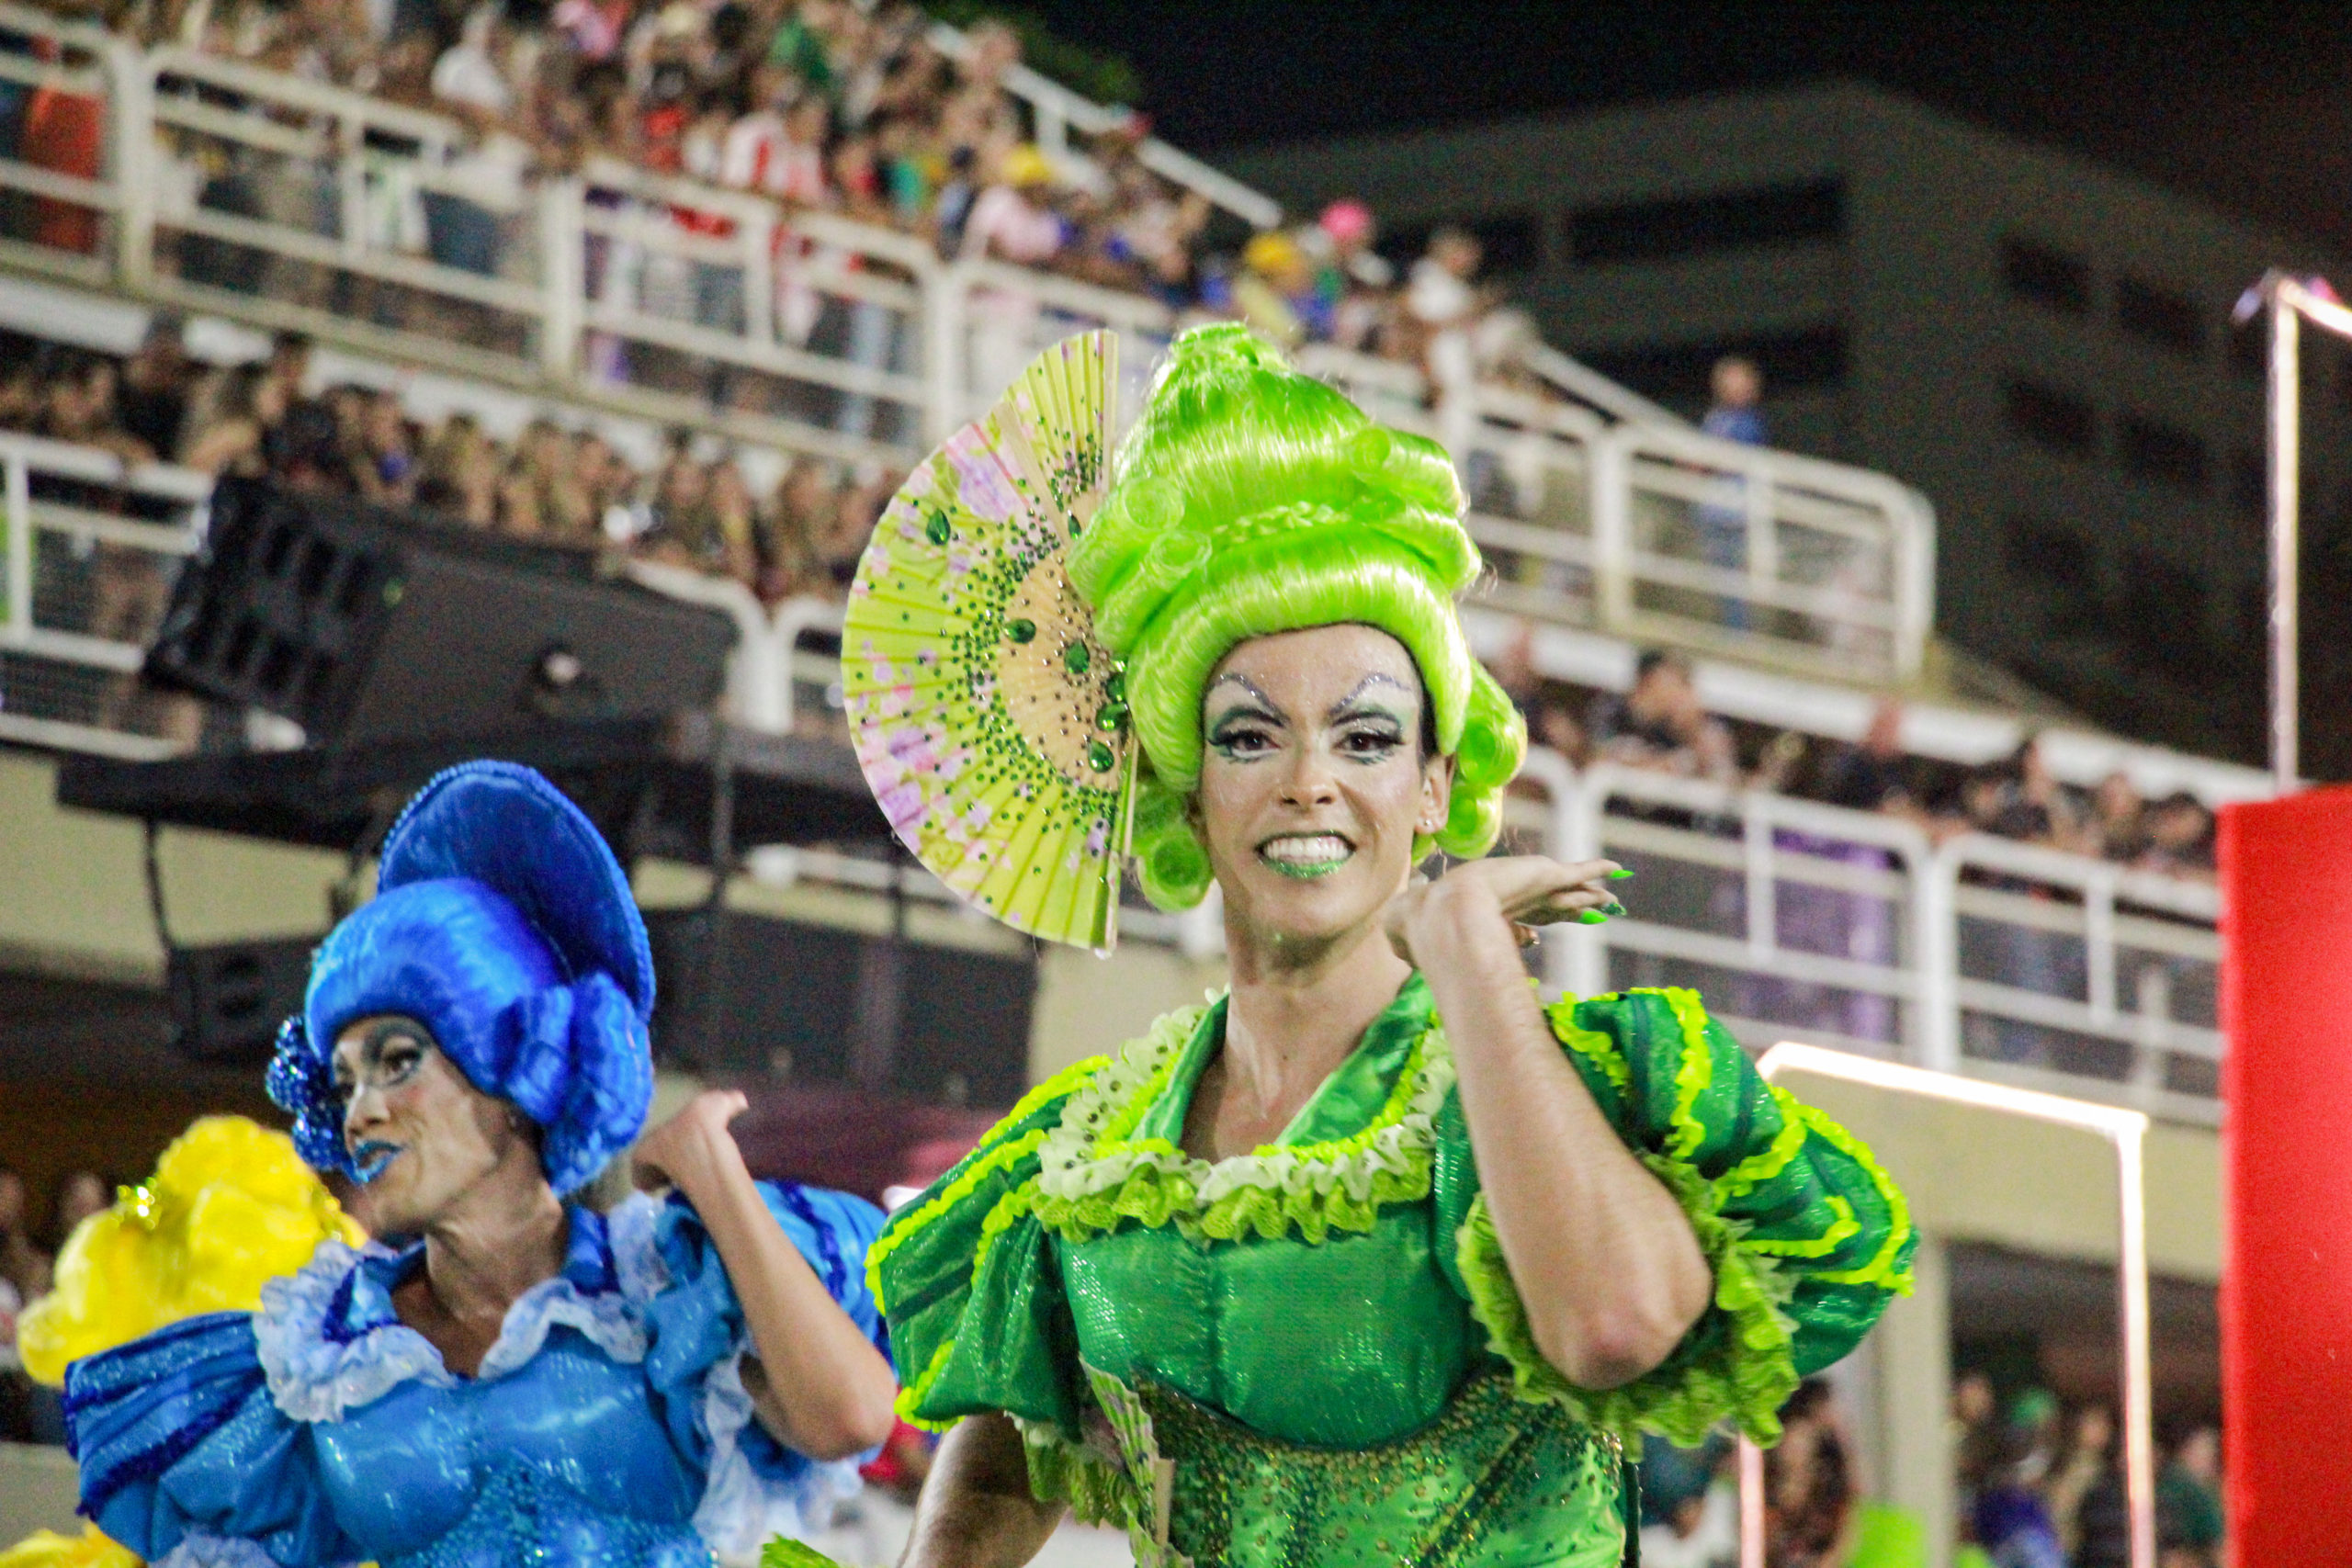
(20, 551)
(2125, 1131)
(1751, 1504)
(2286, 412)
(2139, 1403)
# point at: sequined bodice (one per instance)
(1491, 1480)
(521, 1519)
(1249, 1327)
(608, 1425)
(562, 1461)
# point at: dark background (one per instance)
(2247, 105)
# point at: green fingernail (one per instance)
(1613, 908)
(1621, 873)
(1591, 917)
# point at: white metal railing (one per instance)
(1797, 919)
(1852, 930)
(999, 317)
(1751, 550)
(2065, 965)
(1790, 914)
(88, 551)
(697, 303)
(1054, 111)
(286, 204)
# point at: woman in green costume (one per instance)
(1303, 1277)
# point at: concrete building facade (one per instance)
(2042, 345)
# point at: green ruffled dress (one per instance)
(1313, 1355)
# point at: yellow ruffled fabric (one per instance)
(47, 1549)
(230, 1206)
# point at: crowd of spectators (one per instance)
(695, 507)
(1817, 1513)
(29, 1413)
(2043, 1488)
(1659, 725)
(2038, 1487)
(844, 105)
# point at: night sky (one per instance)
(2249, 105)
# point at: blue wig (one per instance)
(504, 925)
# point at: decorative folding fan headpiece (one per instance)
(990, 721)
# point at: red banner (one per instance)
(2286, 870)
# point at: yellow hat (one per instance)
(1271, 253)
(1025, 165)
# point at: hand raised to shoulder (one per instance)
(1520, 892)
(693, 1150)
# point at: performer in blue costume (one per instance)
(508, 1377)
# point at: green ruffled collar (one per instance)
(1364, 1141)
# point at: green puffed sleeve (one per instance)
(968, 1283)
(1807, 1236)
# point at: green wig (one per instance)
(1251, 499)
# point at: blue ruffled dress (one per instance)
(608, 1425)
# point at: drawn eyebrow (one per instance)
(1273, 709)
(1349, 701)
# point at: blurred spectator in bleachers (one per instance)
(2115, 827)
(62, 133)
(1872, 774)
(2010, 1517)
(1660, 725)
(2188, 1502)
(24, 1279)
(1276, 291)
(23, 1265)
(226, 437)
(1736, 388)
(2088, 1461)
(1974, 1436)
(80, 1194)
(2102, 1524)
(1354, 280)
(773, 149)
(798, 513)
(459, 475)
(464, 222)
(157, 381)
(1810, 1489)
(1011, 220)
(383, 450)
(1547, 709)
(2180, 838)
(1444, 304)
(1689, 1506)
(81, 407)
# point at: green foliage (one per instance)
(1099, 74)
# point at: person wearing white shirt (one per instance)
(1700, 1533)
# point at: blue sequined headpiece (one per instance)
(503, 924)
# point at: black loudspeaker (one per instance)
(818, 1004)
(362, 623)
(228, 1000)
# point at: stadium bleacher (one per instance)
(1933, 933)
